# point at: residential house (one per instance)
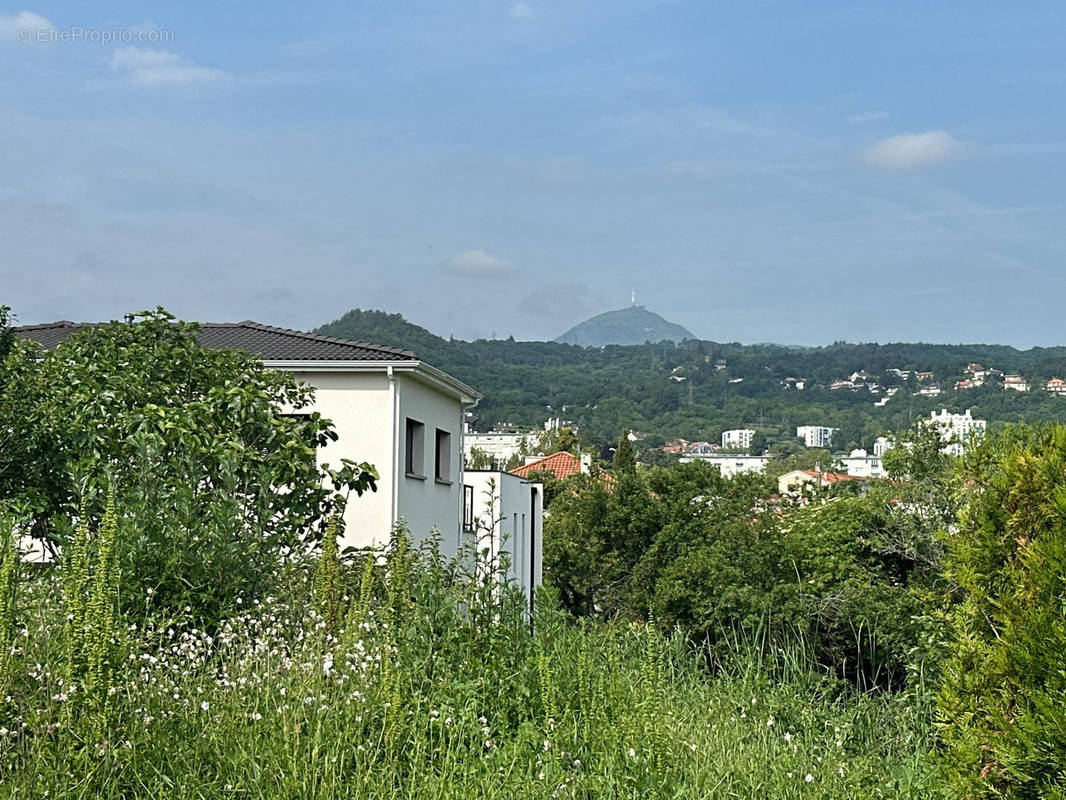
(860, 464)
(1056, 386)
(1015, 382)
(388, 408)
(730, 464)
(558, 465)
(793, 483)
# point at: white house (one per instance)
(1015, 382)
(860, 464)
(882, 444)
(1056, 386)
(388, 407)
(505, 514)
(730, 464)
(816, 435)
(737, 439)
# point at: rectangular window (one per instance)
(414, 443)
(443, 471)
(468, 508)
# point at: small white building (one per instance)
(882, 444)
(737, 439)
(816, 435)
(728, 464)
(1056, 386)
(504, 515)
(956, 430)
(860, 464)
(1015, 382)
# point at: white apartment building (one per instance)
(737, 439)
(816, 435)
(956, 430)
(500, 447)
(730, 465)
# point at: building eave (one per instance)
(420, 370)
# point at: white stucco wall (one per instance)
(359, 405)
(430, 504)
(369, 428)
(514, 524)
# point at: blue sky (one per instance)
(756, 171)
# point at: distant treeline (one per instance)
(669, 390)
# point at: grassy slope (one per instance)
(419, 700)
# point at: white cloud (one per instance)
(148, 67)
(522, 10)
(913, 150)
(24, 26)
(478, 263)
(867, 116)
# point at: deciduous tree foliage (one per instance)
(853, 577)
(214, 481)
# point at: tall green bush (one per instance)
(1002, 702)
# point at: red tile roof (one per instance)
(561, 465)
(831, 477)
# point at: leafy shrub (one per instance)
(856, 578)
(1002, 702)
(214, 482)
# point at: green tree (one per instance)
(216, 481)
(1002, 700)
(625, 459)
(479, 459)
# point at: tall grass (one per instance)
(402, 675)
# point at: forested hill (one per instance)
(686, 390)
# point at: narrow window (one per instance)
(443, 460)
(414, 465)
(468, 509)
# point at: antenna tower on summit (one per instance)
(634, 301)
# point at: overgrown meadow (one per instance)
(402, 675)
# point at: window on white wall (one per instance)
(415, 448)
(443, 471)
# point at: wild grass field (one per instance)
(408, 677)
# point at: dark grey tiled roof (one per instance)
(265, 341)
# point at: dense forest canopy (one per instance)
(696, 389)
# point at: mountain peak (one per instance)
(634, 324)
